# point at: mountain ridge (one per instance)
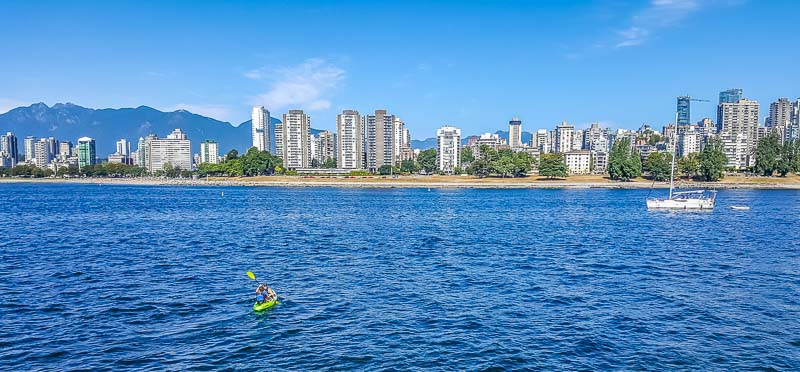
(68, 122)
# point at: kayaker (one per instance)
(263, 293)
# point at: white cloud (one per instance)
(632, 36)
(304, 86)
(660, 14)
(8, 104)
(219, 112)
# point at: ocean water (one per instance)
(145, 277)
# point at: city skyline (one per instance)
(621, 72)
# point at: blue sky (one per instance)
(464, 63)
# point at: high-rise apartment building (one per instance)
(596, 138)
(684, 110)
(350, 142)
(175, 150)
(261, 129)
(689, 140)
(9, 149)
(294, 147)
(326, 146)
(87, 153)
(449, 149)
(563, 137)
(541, 141)
(42, 154)
(780, 113)
(515, 133)
(27, 145)
(740, 118)
(209, 152)
(378, 139)
(123, 147)
(577, 140)
(399, 132)
(793, 131)
(728, 96)
(735, 146)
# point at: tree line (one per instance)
(774, 156)
(625, 163)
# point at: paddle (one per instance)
(253, 276)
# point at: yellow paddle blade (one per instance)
(251, 275)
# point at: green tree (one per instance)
(467, 156)
(330, 163)
(552, 165)
(624, 164)
(503, 166)
(408, 166)
(712, 161)
(233, 168)
(523, 163)
(789, 160)
(488, 153)
(768, 150)
(658, 164)
(689, 165)
(232, 155)
(427, 160)
(480, 168)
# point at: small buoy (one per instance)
(223, 193)
(429, 189)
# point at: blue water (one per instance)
(110, 277)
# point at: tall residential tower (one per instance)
(261, 129)
(350, 142)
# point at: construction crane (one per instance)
(683, 114)
(694, 99)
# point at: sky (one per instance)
(470, 64)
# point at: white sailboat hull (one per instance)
(680, 204)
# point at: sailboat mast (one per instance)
(674, 150)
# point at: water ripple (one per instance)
(152, 278)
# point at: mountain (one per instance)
(431, 143)
(68, 122)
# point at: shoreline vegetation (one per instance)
(577, 182)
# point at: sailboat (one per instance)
(685, 200)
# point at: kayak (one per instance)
(265, 305)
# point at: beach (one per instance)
(582, 181)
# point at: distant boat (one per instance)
(740, 207)
(697, 199)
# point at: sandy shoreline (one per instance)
(576, 182)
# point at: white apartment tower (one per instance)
(175, 150)
(261, 128)
(398, 138)
(449, 146)
(541, 141)
(515, 133)
(563, 137)
(350, 142)
(41, 152)
(122, 147)
(27, 145)
(294, 145)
